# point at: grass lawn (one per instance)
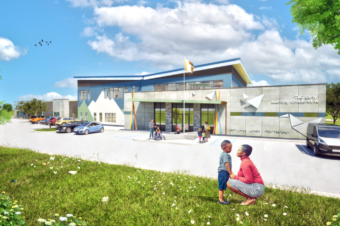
(52, 129)
(330, 117)
(142, 197)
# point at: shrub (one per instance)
(9, 211)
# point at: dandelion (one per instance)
(189, 211)
(284, 214)
(265, 215)
(192, 222)
(247, 214)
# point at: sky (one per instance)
(127, 37)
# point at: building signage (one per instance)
(299, 99)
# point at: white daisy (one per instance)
(247, 214)
(189, 211)
(273, 205)
(284, 214)
(192, 222)
(265, 215)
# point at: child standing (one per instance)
(203, 135)
(224, 170)
(199, 134)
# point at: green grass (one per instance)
(330, 117)
(133, 200)
(52, 129)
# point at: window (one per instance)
(50, 114)
(95, 116)
(105, 93)
(75, 115)
(86, 116)
(44, 113)
(133, 88)
(160, 87)
(56, 113)
(160, 116)
(204, 85)
(110, 117)
(81, 115)
(208, 114)
(120, 92)
(83, 95)
(89, 96)
(126, 89)
(100, 117)
(175, 86)
(111, 93)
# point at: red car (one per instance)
(53, 120)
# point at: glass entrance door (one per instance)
(177, 117)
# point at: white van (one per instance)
(324, 139)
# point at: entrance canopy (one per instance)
(179, 101)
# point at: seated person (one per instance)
(177, 130)
(158, 133)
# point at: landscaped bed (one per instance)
(47, 130)
(142, 197)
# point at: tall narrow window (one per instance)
(81, 116)
(111, 93)
(100, 117)
(105, 93)
(133, 88)
(126, 89)
(86, 116)
(95, 116)
(89, 96)
(120, 92)
(75, 115)
(116, 93)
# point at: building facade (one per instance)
(216, 93)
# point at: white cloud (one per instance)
(207, 33)
(88, 32)
(259, 83)
(143, 73)
(142, 2)
(334, 73)
(46, 97)
(266, 7)
(8, 50)
(69, 82)
(223, 1)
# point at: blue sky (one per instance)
(107, 37)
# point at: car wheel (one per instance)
(86, 132)
(307, 144)
(316, 150)
(102, 130)
(68, 130)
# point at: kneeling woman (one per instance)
(248, 181)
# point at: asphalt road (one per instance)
(279, 162)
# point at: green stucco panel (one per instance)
(83, 108)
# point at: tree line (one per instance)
(33, 107)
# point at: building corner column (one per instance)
(168, 117)
(197, 116)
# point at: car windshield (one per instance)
(329, 132)
(85, 124)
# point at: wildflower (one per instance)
(247, 214)
(6, 212)
(55, 172)
(189, 211)
(78, 167)
(5, 217)
(266, 215)
(237, 219)
(237, 215)
(52, 221)
(80, 218)
(41, 220)
(52, 158)
(284, 214)
(57, 215)
(176, 208)
(192, 222)
(233, 209)
(187, 191)
(69, 215)
(51, 167)
(329, 223)
(209, 216)
(62, 218)
(274, 205)
(286, 206)
(72, 224)
(48, 223)
(173, 204)
(32, 164)
(266, 203)
(175, 200)
(198, 205)
(18, 213)
(105, 199)
(138, 182)
(48, 163)
(163, 193)
(21, 208)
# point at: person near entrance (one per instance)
(177, 130)
(152, 128)
(207, 131)
(248, 181)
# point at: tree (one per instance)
(7, 107)
(321, 18)
(41, 106)
(333, 101)
(5, 117)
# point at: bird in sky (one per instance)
(42, 40)
(50, 41)
(35, 44)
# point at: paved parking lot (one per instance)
(280, 162)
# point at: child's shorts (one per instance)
(223, 177)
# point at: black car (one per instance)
(68, 128)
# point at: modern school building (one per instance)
(215, 92)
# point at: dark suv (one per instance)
(324, 139)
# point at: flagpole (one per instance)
(184, 101)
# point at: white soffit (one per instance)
(256, 101)
(114, 78)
